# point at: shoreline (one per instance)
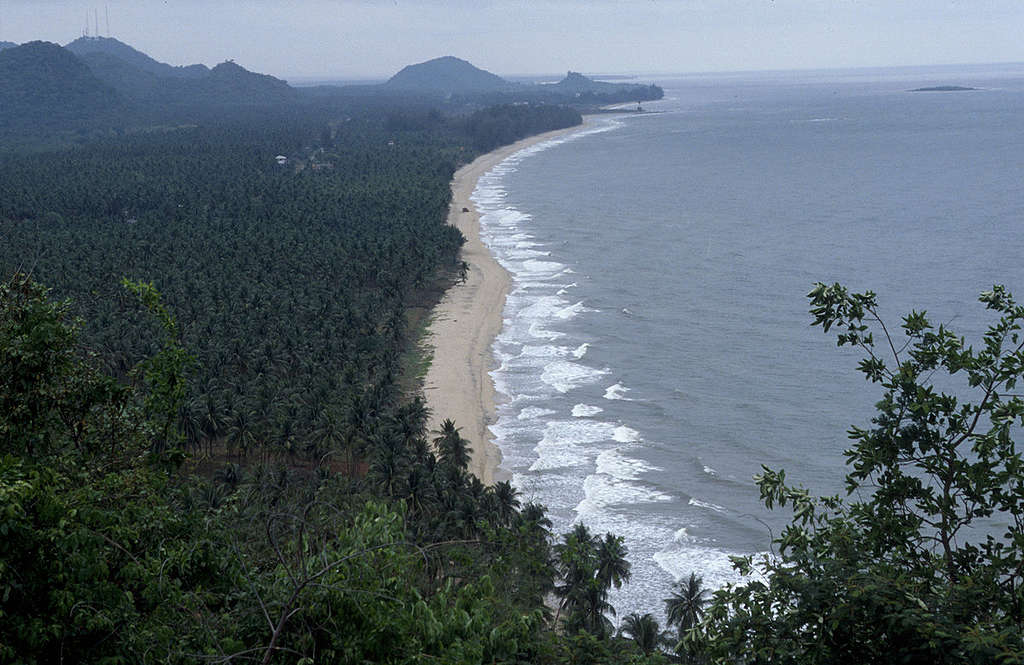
(463, 326)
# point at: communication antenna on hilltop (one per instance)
(96, 18)
(85, 33)
(106, 9)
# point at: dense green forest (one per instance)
(212, 448)
(113, 553)
(291, 282)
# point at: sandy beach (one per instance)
(466, 321)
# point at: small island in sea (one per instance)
(944, 88)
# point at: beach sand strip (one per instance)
(465, 323)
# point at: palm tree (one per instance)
(419, 452)
(686, 606)
(591, 607)
(210, 496)
(190, 419)
(535, 515)
(589, 567)
(576, 563)
(421, 493)
(326, 437)
(241, 437)
(415, 415)
(452, 449)
(644, 630)
(230, 474)
(211, 421)
(505, 500)
(462, 518)
(387, 464)
(612, 567)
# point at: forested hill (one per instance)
(150, 83)
(46, 85)
(51, 96)
(96, 86)
(582, 88)
(85, 46)
(5, 45)
(447, 74)
(457, 78)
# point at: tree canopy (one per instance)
(922, 562)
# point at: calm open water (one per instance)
(657, 349)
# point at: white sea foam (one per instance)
(524, 254)
(531, 412)
(568, 456)
(563, 375)
(613, 462)
(544, 351)
(571, 311)
(504, 217)
(581, 465)
(569, 443)
(565, 288)
(540, 332)
(509, 164)
(712, 564)
(535, 361)
(704, 504)
(602, 491)
(625, 434)
(585, 410)
(711, 472)
(616, 391)
(536, 267)
(545, 307)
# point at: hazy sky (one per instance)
(375, 38)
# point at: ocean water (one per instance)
(657, 347)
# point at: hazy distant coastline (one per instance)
(944, 88)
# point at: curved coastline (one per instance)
(465, 323)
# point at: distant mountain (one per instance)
(42, 82)
(452, 76)
(4, 45)
(578, 85)
(576, 82)
(84, 46)
(47, 90)
(142, 79)
(235, 83)
(449, 75)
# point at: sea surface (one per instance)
(657, 347)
